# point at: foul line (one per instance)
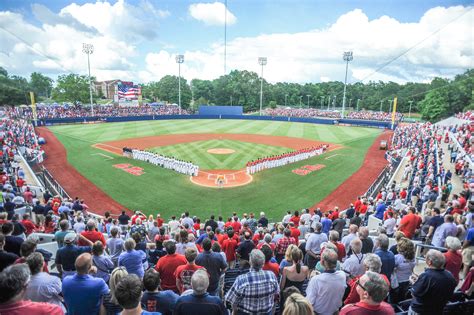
(104, 155)
(331, 156)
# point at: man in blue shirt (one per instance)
(199, 302)
(82, 292)
(326, 222)
(214, 264)
(66, 256)
(154, 300)
(387, 257)
(379, 211)
(434, 287)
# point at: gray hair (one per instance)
(363, 232)
(436, 258)
(453, 243)
(267, 238)
(376, 286)
(129, 244)
(333, 235)
(257, 259)
(13, 280)
(373, 262)
(383, 241)
(200, 281)
(329, 256)
(318, 227)
(356, 245)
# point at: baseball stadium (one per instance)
(236, 157)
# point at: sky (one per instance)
(303, 40)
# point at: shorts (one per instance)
(467, 255)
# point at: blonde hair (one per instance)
(117, 274)
(288, 252)
(296, 304)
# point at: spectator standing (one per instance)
(354, 265)
(294, 275)
(410, 223)
(367, 243)
(199, 302)
(6, 258)
(12, 243)
(167, 266)
(372, 290)
(214, 264)
(66, 256)
(114, 245)
(82, 292)
(448, 228)
(109, 301)
(255, 291)
(132, 259)
(325, 291)
(102, 262)
(404, 265)
(453, 257)
(184, 273)
(128, 294)
(59, 235)
(229, 247)
(13, 283)
(386, 256)
(296, 304)
(42, 287)
(434, 287)
(154, 300)
(313, 246)
(245, 247)
(346, 240)
(468, 250)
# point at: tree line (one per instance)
(435, 100)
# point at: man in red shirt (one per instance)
(167, 266)
(137, 215)
(258, 236)
(229, 246)
(295, 218)
(335, 214)
(372, 290)
(410, 223)
(159, 220)
(341, 249)
(91, 234)
(28, 196)
(20, 182)
(295, 232)
(184, 273)
(236, 225)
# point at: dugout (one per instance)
(221, 110)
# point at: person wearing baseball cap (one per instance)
(66, 255)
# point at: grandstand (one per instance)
(394, 230)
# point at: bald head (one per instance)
(83, 263)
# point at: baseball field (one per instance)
(218, 147)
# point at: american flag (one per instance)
(128, 91)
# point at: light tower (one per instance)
(261, 61)
(307, 95)
(179, 61)
(347, 57)
(89, 49)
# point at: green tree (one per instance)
(41, 85)
(72, 88)
(168, 91)
(435, 105)
(13, 89)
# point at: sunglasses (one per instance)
(360, 285)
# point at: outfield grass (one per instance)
(196, 152)
(273, 191)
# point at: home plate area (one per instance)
(221, 178)
(307, 169)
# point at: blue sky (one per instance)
(303, 40)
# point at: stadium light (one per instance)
(307, 95)
(358, 100)
(179, 61)
(89, 49)
(334, 102)
(347, 57)
(409, 111)
(329, 101)
(322, 102)
(286, 98)
(381, 102)
(261, 61)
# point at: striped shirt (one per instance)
(254, 292)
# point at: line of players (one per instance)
(284, 159)
(179, 166)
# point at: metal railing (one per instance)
(51, 184)
(381, 181)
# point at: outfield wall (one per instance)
(348, 122)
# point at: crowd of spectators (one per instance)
(50, 112)
(315, 113)
(467, 115)
(320, 262)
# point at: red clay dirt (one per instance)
(358, 183)
(159, 141)
(71, 180)
(229, 178)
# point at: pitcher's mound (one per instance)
(222, 178)
(220, 151)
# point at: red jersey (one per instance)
(167, 266)
(184, 274)
(228, 247)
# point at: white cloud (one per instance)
(55, 46)
(316, 55)
(212, 13)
